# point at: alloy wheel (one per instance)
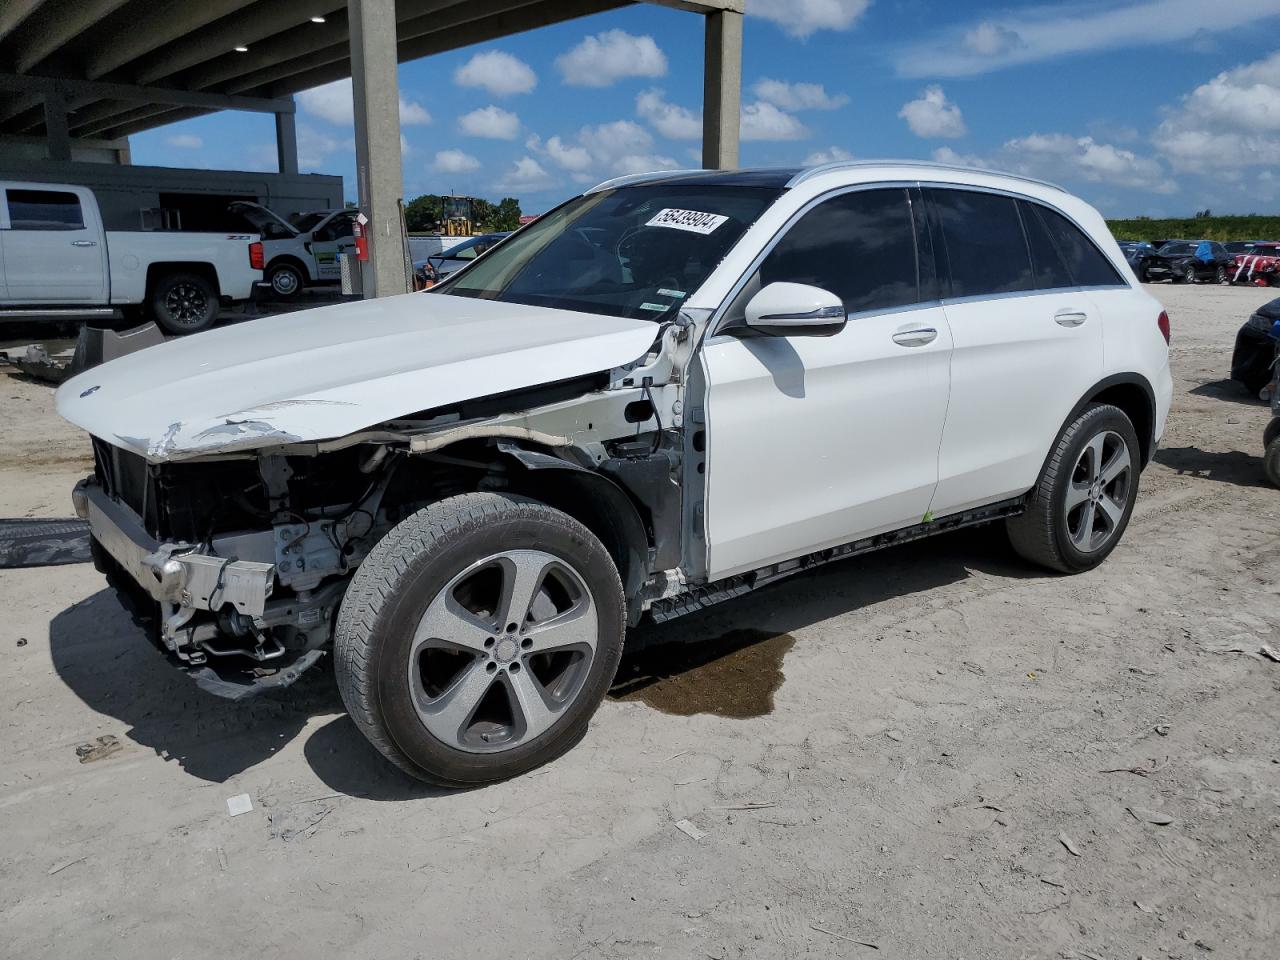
(1099, 492)
(284, 282)
(503, 651)
(187, 304)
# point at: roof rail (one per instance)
(633, 178)
(810, 172)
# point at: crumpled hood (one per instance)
(324, 373)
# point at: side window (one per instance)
(466, 253)
(335, 229)
(984, 242)
(1050, 269)
(1088, 266)
(860, 246)
(44, 210)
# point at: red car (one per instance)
(1258, 266)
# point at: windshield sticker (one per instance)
(693, 221)
(656, 307)
(677, 294)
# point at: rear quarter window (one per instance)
(1088, 266)
(984, 241)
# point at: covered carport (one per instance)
(99, 70)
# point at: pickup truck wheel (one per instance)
(478, 637)
(1080, 507)
(285, 279)
(184, 303)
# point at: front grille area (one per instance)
(123, 475)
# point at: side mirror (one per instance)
(795, 310)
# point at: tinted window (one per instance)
(860, 246)
(44, 210)
(983, 237)
(1085, 261)
(1050, 269)
(335, 229)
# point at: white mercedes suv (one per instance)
(664, 393)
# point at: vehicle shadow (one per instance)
(1235, 466)
(107, 661)
(1227, 390)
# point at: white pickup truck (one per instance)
(57, 259)
(301, 251)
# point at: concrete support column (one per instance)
(376, 89)
(722, 90)
(57, 131)
(286, 143)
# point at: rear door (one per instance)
(817, 441)
(54, 250)
(1028, 341)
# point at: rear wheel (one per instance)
(478, 638)
(1080, 507)
(1220, 275)
(184, 303)
(286, 280)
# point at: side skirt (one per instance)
(709, 594)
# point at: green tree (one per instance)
(423, 214)
(508, 214)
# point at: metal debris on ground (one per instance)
(841, 936)
(104, 746)
(689, 830)
(750, 805)
(240, 803)
(1071, 847)
(62, 866)
(1269, 652)
(1162, 729)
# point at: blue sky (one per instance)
(1157, 107)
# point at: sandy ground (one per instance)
(946, 722)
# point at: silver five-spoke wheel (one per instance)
(502, 651)
(1099, 491)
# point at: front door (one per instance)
(816, 441)
(54, 249)
(333, 237)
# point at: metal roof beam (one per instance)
(162, 23)
(56, 26)
(98, 90)
(13, 12)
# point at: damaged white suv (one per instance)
(666, 392)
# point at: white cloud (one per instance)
(1062, 157)
(185, 141)
(830, 155)
(455, 161)
(568, 156)
(764, 121)
(499, 73)
(1088, 27)
(604, 58)
(933, 115)
(492, 123)
(797, 96)
(800, 18)
(334, 102)
(315, 147)
(526, 174)
(671, 120)
(1231, 121)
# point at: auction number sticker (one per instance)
(694, 221)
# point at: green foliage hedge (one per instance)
(1198, 228)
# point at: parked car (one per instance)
(666, 392)
(1234, 247)
(57, 259)
(1191, 261)
(1137, 253)
(438, 266)
(1254, 355)
(302, 251)
(1258, 266)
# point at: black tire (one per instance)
(1271, 462)
(1220, 275)
(409, 570)
(1189, 274)
(286, 280)
(1042, 533)
(184, 303)
(1143, 276)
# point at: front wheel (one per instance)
(478, 637)
(1080, 507)
(1189, 273)
(184, 303)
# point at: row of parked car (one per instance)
(1204, 261)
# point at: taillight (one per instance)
(256, 259)
(1163, 323)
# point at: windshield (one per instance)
(1177, 249)
(632, 252)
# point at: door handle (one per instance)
(915, 338)
(84, 243)
(1070, 318)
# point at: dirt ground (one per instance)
(947, 770)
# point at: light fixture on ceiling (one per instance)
(317, 19)
(242, 49)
